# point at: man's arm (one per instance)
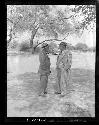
(68, 63)
(70, 59)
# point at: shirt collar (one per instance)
(44, 51)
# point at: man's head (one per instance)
(45, 46)
(62, 46)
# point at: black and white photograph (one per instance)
(51, 52)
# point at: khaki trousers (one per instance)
(63, 78)
(43, 83)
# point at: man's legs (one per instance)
(43, 83)
(58, 81)
(68, 73)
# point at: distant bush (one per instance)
(70, 47)
(53, 47)
(24, 46)
(92, 49)
(81, 47)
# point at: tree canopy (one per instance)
(87, 13)
(49, 21)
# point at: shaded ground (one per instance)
(23, 99)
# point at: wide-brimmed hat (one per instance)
(63, 43)
(44, 45)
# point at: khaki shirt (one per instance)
(44, 67)
(64, 60)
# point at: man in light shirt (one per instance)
(63, 68)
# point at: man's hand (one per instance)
(67, 67)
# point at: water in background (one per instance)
(23, 63)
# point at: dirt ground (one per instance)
(23, 99)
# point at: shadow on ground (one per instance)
(23, 99)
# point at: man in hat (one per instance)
(44, 68)
(63, 66)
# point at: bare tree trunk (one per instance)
(32, 38)
(33, 49)
(8, 42)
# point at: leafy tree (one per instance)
(35, 17)
(39, 18)
(88, 15)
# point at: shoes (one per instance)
(57, 93)
(43, 94)
(61, 95)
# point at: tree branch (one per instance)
(68, 17)
(35, 19)
(51, 40)
(10, 20)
